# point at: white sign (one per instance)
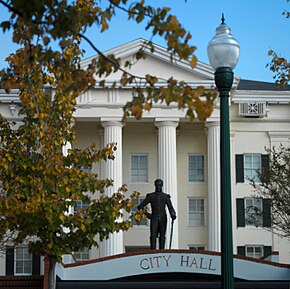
(122, 266)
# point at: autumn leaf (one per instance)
(193, 61)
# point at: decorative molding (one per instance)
(13, 107)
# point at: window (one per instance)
(196, 212)
(252, 164)
(18, 261)
(22, 261)
(253, 212)
(82, 255)
(139, 168)
(247, 166)
(134, 209)
(81, 205)
(196, 248)
(254, 251)
(196, 168)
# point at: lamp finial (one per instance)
(223, 18)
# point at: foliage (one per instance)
(39, 183)
(281, 68)
(275, 185)
(280, 65)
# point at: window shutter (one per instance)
(240, 213)
(35, 264)
(265, 167)
(241, 250)
(267, 251)
(266, 213)
(239, 168)
(10, 261)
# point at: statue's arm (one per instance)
(145, 202)
(170, 208)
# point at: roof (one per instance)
(260, 85)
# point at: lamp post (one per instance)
(223, 53)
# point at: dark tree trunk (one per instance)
(49, 281)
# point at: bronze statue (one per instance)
(158, 219)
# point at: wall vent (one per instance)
(252, 109)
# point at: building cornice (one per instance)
(272, 96)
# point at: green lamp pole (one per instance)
(223, 53)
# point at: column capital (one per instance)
(212, 123)
(111, 122)
(159, 122)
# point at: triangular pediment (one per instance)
(158, 63)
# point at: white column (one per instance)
(213, 147)
(113, 170)
(167, 171)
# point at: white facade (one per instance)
(173, 146)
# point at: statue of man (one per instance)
(158, 220)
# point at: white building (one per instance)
(164, 144)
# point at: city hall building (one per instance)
(185, 155)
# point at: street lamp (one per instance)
(223, 53)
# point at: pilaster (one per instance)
(214, 222)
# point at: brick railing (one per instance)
(21, 282)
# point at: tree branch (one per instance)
(12, 8)
(128, 10)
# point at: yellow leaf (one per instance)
(62, 217)
(7, 85)
(137, 111)
(83, 227)
(200, 90)
(130, 204)
(193, 62)
(46, 40)
(148, 106)
(104, 25)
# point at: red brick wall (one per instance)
(21, 282)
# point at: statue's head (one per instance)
(158, 185)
